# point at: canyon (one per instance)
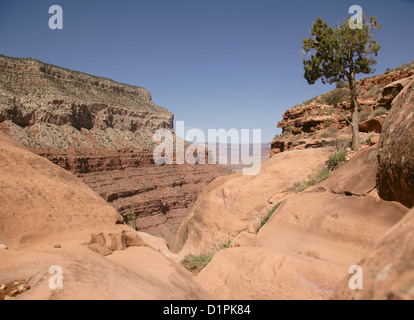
(102, 131)
(76, 163)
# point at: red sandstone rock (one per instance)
(373, 125)
(396, 150)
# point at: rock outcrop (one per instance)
(396, 150)
(373, 125)
(316, 122)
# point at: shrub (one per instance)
(288, 129)
(331, 132)
(322, 175)
(378, 112)
(336, 159)
(364, 114)
(131, 216)
(265, 219)
(287, 135)
(300, 186)
(197, 263)
(278, 136)
(343, 144)
(341, 84)
(327, 123)
(336, 96)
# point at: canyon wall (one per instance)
(102, 131)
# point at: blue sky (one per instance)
(213, 63)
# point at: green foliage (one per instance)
(197, 263)
(131, 216)
(225, 245)
(364, 114)
(300, 186)
(327, 123)
(340, 53)
(288, 129)
(335, 96)
(268, 216)
(322, 175)
(331, 132)
(287, 135)
(341, 84)
(276, 137)
(378, 112)
(367, 140)
(336, 159)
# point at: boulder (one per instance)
(395, 178)
(372, 125)
(392, 90)
(356, 177)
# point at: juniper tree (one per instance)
(339, 53)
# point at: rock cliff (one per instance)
(102, 131)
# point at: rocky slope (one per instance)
(102, 131)
(316, 122)
(50, 217)
(306, 245)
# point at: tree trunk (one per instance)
(354, 111)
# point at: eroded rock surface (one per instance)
(396, 150)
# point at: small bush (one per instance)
(322, 175)
(269, 215)
(287, 135)
(288, 129)
(131, 217)
(224, 245)
(278, 136)
(343, 144)
(341, 84)
(336, 96)
(364, 114)
(327, 123)
(378, 112)
(336, 159)
(300, 186)
(331, 132)
(197, 263)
